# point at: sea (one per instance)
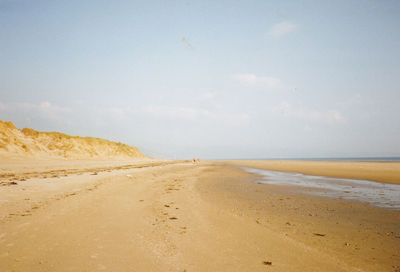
(355, 159)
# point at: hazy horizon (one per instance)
(226, 79)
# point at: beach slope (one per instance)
(179, 216)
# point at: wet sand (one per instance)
(375, 171)
(355, 234)
(176, 216)
(380, 194)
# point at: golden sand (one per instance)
(180, 216)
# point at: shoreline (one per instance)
(363, 236)
(385, 172)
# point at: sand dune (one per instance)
(31, 143)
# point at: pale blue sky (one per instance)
(215, 79)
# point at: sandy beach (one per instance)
(156, 136)
(177, 216)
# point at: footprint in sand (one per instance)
(8, 183)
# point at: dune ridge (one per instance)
(28, 142)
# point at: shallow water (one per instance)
(376, 193)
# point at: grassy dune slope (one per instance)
(31, 143)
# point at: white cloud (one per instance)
(282, 29)
(186, 113)
(307, 114)
(28, 114)
(208, 96)
(194, 114)
(45, 105)
(251, 80)
(117, 113)
(43, 108)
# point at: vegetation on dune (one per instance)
(29, 141)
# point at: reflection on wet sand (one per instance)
(378, 194)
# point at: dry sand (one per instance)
(176, 216)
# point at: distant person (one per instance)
(194, 160)
(198, 160)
